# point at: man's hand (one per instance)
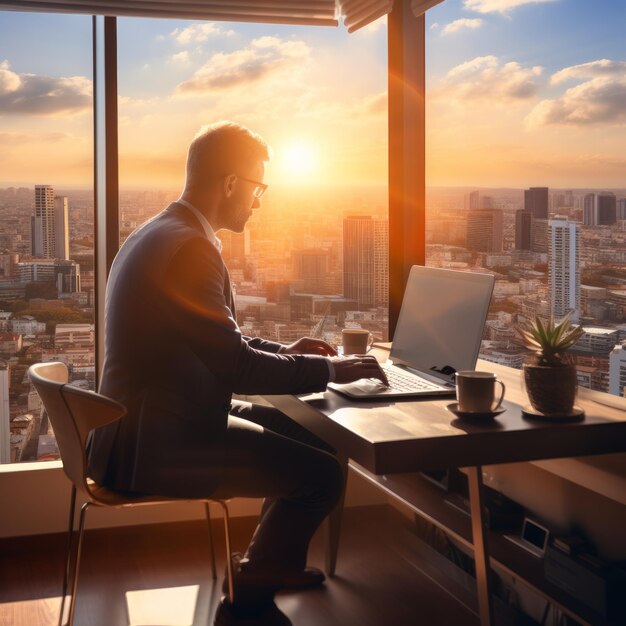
(352, 368)
(307, 345)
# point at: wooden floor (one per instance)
(160, 576)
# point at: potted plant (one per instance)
(551, 381)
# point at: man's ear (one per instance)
(229, 184)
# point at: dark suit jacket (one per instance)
(174, 355)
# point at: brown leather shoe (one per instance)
(299, 580)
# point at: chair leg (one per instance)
(68, 552)
(81, 529)
(229, 559)
(208, 520)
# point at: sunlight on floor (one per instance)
(46, 610)
(171, 606)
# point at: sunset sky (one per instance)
(520, 92)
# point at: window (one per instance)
(525, 168)
(46, 218)
(313, 259)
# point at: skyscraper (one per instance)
(590, 217)
(381, 262)
(474, 200)
(5, 416)
(621, 209)
(49, 225)
(365, 262)
(617, 370)
(484, 230)
(606, 210)
(523, 225)
(536, 201)
(539, 235)
(564, 268)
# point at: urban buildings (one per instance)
(523, 229)
(606, 208)
(564, 268)
(5, 415)
(536, 201)
(49, 226)
(617, 370)
(484, 230)
(365, 256)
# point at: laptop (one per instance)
(439, 331)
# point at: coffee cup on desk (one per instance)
(476, 391)
(356, 340)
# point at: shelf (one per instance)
(428, 501)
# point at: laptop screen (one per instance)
(441, 319)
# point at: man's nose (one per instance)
(257, 203)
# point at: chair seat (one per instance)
(109, 497)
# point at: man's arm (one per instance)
(197, 311)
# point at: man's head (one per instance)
(226, 164)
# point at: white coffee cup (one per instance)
(356, 340)
(475, 391)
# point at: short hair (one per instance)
(223, 148)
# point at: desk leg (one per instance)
(333, 524)
(481, 553)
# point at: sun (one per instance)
(299, 159)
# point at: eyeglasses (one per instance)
(260, 188)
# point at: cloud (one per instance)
(599, 100)
(199, 32)
(457, 25)
(30, 94)
(262, 58)
(486, 79)
(180, 57)
(435, 25)
(593, 69)
(498, 6)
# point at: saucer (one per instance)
(453, 407)
(575, 415)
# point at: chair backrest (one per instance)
(73, 413)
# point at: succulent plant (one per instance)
(551, 340)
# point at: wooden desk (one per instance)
(414, 435)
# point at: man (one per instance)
(174, 356)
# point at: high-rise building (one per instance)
(589, 210)
(606, 208)
(486, 202)
(64, 274)
(474, 200)
(5, 415)
(381, 262)
(536, 201)
(523, 225)
(617, 370)
(621, 209)
(49, 225)
(539, 235)
(564, 268)
(365, 260)
(484, 230)
(311, 266)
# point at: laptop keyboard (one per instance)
(400, 380)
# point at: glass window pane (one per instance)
(46, 218)
(313, 258)
(525, 132)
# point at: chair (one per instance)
(74, 413)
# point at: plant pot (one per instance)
(551, 389)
